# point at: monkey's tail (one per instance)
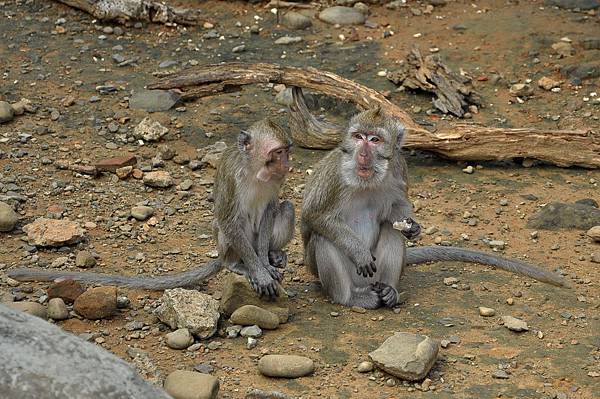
(416, 255)
(184, 279)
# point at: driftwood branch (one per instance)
(136, 10)
(460, 142)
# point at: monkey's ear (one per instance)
(377, 110)
(244, 141)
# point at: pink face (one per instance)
(365, 144)
(276, 164)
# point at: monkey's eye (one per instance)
(374, 139)
(358, 136)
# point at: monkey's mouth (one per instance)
(365, 172)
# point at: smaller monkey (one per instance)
(250, 225)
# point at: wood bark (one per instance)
(136, 10)
(459, 142)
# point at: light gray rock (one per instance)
(288, 40)
(249, 315)
(150, 130)
(295, 20)
(154, 100)
(32, 308)
(286, 366)
(260, 394)
(342, 16)
(85, 260)
(407, 356)
(190, 309)
(179, 339)
(593, 233)
(365, 367)
(158, 179)
(559, 215)
(8, 217)
(233, 331)
(251, 331)
(142, 212)
(6, 112)
(53, 232)
(251, 343)
(182, 384)
(486, 312)
(514, 324)
(57, 310)
(39, 360)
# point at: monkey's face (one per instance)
(275, 162)
(366, 155)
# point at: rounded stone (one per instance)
(286, 366)
(6, 112)
(365, 367)
(33, 308)
(8, 217)
(158, 179)
(183, 384)
(67, 290)
(85, 260)
(142, 212)
(249, 315)
(251, 331)
(295, 20)
(57, 310)
(486, 312)
(342, 16)
(97, 303)
(180, 339)
(593, 233)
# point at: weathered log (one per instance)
(136, 10)
(459, 142)
(39, 360)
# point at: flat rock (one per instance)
(557, 215)
(295, 20)
(572, 4)
(154, 100)
(150, 130)
(342, 16)
(158, 179)
(251, 332)
(249, 315)
(57, 310)
(8, 217)
(514, 324)
(594, 233)
(85, 260)
(179, 339)
(32, 308)
(237, 292)
(97, 303)
(6, 112)
(67, 290)
(53, 232)
(142, 212)
(112, 164)
(260, 394)
(286, 366)
(190, 309)
(407, 356)
(182, 384)
(288, 40)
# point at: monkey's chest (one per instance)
(364, 221)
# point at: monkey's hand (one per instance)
(366, 267)
(261, 281)
(274, 272)
(408, 227)
(387, 293)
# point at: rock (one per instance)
(595, 258)
(450, 280)
(32, 308)
(288, 40)
(204, 368)
(514, 324)
(183, 384)
(67, 290)
(500, 374)
(57, 310)
(365, 367)
(180, 339)
(260, 394)
(251, 344)
(581, 71)
(486, 312)
(238, 292)
(587, 201)
(53, 232)
(594, 233)
(97, 303)
(233, 331)
(521, 90)
(572, 4)
(154, 100)
(547, 83)
(563, 49)
(469, 170)
(159, 179)
(149, 130)
(251, 331)
(190, 309)
(6, 112)
(8, 218)
(362, 7)
(295, 20)
(286, 366)
(557, 215)
(407, 356)
(124, 172)
(342, 16)
(142, 212)
(248, 315)
(589, 43)
(112, 164)
(85, 260)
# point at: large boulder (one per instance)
(190, 309)
(53, 232)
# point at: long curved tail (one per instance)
(184, 279)
(416, 255)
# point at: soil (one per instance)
(497, 43)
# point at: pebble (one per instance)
(233, 331)
(238, 49)
(295, 20)
(521, 90)
(150, 130)
(142, 212)
(154, 100)
(547, 83)
(6, 112)
(595, 258)
(593, 233)
(97, 303)
(469, 170)
(179, 339)
(288, 40)
(486, 312)
(85, 260)
(204, 368)
(450, 281)
(182, 384)
(158, 179)
(365, 367)
(249, 315)
(286, 366)
(214, 345)
(8, 218)
(57, 310)
(514, 324)
(251, 343)
(186, 184)
(500, 374)
(499, 244)
(33, 308)
(342, 16)
(251, 331)
(67, 290)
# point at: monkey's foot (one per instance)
(262, 282)
(409, 228)
(387, 294)
(238, 268)
(278, 258)
(274, 272)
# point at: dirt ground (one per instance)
(47, 60)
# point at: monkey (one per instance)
(356, 194)
(250, 225)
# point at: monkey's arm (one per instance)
(265, 232)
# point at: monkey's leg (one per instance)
(339, 278)
(283, 232)
(390, 254)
